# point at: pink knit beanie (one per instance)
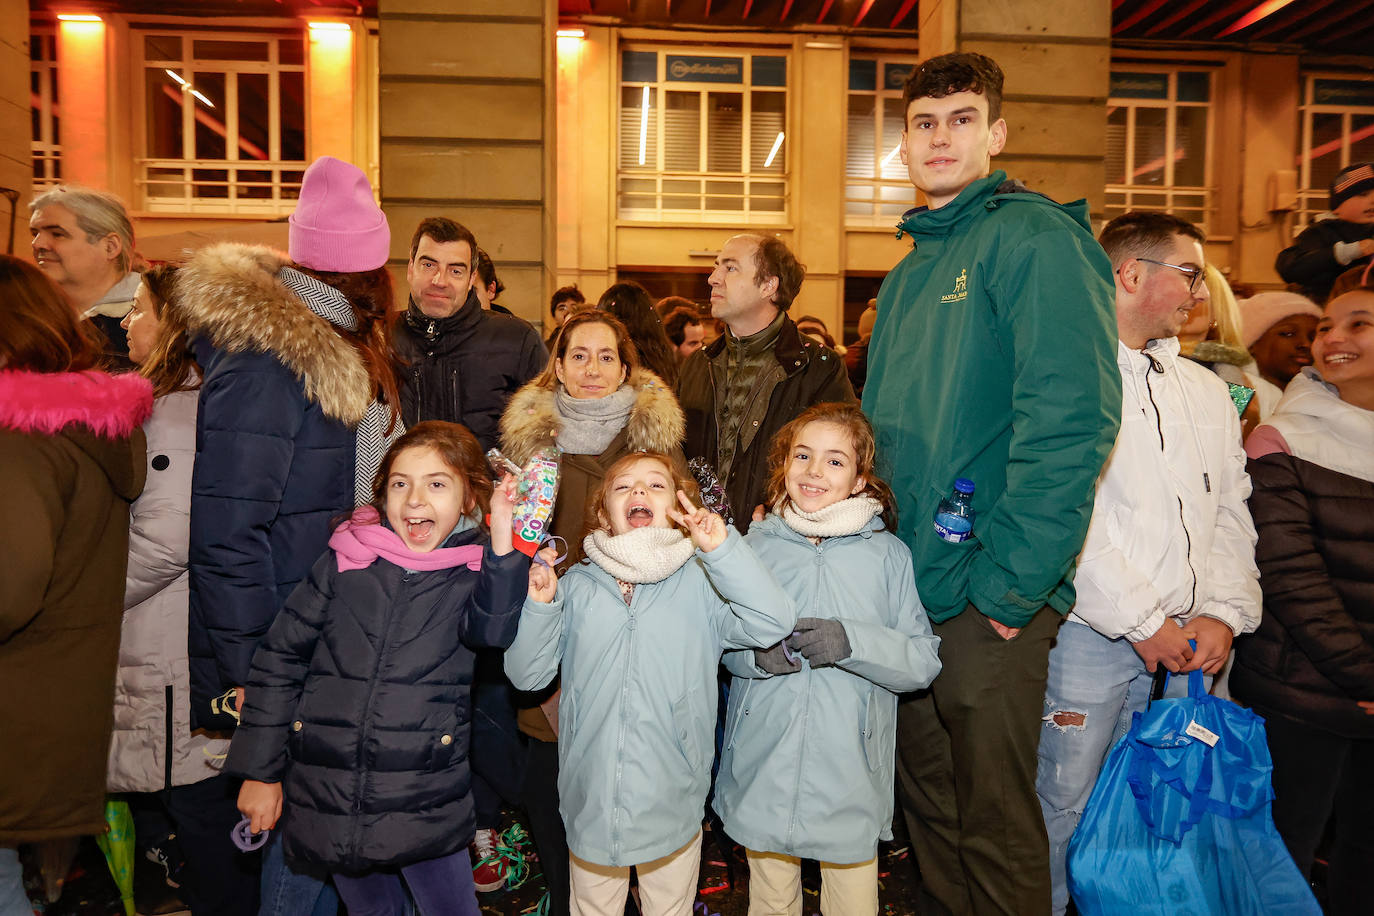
(1260, 313)
(337, 225)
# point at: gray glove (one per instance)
(774, 661)
(822, 641)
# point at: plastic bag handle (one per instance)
(1196, 686)
(1142, 762)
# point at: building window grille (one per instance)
(1337, 130)
(702, 136)
(44, 110)
(1158, 157)
(223, 122)
(877, 188)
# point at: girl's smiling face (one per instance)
(425, 498)
(1343, 349)
(639, 497)
(822, 468)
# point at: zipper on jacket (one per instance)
(367, 723)
(170, 695)
(1159, 427)
(624, 715)
(806, 709)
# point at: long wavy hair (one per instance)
(625, 348)
(39, 329)
(170, 366)
(632, 304)
(369, 292)
(852, 420)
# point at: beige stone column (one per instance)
(16, 163)
(1057, 64)
(818, 199)
(82, 79)
(466, 103)
(332, 47)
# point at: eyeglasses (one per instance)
(1194, 274)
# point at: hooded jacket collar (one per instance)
(984, 194)
(232, 296)
(792, 349)
(93, 410)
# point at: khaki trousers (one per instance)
(775, 886)
(667, 886)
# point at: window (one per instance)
(1158, 143)
(223, 121)
(703, 138)
(47, 146)
(1337, 129)
(877, 189)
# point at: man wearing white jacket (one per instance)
(1170, 549)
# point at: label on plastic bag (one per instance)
(1205, 735)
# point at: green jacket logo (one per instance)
(960, 288)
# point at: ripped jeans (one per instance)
(1094, 686)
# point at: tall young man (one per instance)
(1170, 553)
(993, 359)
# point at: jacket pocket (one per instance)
(684, 728)
(879, 729)
(443, 747)
(737, 711)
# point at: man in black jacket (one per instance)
(738, 392)
(1334, 243)
(460, 363)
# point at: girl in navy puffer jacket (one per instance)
(810, 735)
(356, 718)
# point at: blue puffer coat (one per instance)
(358, 703)
(807, 768)
(275, 447)
(637, 719)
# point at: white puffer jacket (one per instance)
(153, 747)
(1171, 535)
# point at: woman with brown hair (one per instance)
(71, 453)
(297, 408)
(171, 774)
(630, 303)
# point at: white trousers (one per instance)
(667, 886)
(775, 886)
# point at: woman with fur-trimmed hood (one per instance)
(596, 404)
(297, 408)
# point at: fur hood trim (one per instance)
(231, 294)
(111, 406)
(656, 423)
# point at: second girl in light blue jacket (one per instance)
(807, 769)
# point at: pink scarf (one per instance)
(362, 539)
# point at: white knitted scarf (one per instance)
(848, 516)
(640, 555)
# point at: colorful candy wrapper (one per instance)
(712, 488)
(535, 491)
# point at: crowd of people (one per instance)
(265, 566)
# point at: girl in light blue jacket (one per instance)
(639, 627)
(807, 769)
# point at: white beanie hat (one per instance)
(1260, 313)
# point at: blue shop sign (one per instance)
(684, 69)
(1139, 85)
(1352, 93)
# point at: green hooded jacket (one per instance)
(994, 359)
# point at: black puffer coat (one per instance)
(1311, 261)
(359, 704)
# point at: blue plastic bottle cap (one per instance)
(963, 485)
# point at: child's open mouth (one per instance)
(640, 516)
(419, 529)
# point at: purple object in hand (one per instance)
(244, 839)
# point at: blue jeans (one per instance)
(291, 889)
(13, 900)
(1094, 686)
(441, 887)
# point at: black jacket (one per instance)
(465, 367)
(1312, 657)
(1311, 261)
(814, 374)
(359, 704)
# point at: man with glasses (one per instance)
(1170, 553)
(992, 360)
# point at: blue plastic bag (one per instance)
(1179, 821)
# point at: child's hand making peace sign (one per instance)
(706, 529)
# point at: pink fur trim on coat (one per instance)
(112, 406)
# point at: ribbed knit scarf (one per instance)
(848, 516)
(587, 425)
(371, 437)
(640, 555)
